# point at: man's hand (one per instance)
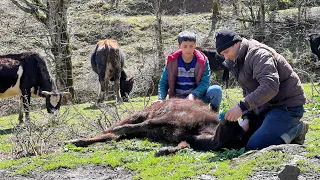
(234, 113)
(191, 97)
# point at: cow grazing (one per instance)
(182, 121)
(314, 40)
(26, 74)
(108, 61)
(216, 63)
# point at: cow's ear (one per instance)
(130, 79)
(46, 93)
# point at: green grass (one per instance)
(138, 155)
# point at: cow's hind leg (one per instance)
(107, 78)
(24, 106)
(144, 126)
(83, 142)
(114, 58)
(103, 88)
(136, 118)
(169, 150)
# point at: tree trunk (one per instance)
(160, 61)
(262, 20)
(235, 7)
(215, 19)
(57, 25)
(54, 16)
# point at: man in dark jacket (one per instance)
(273, 95)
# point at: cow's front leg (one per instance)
(21, 110)
(83, 142)
(26, 103)
(102, 92)
(117, 89)
(169, 150)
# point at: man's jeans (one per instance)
(275, 122)
(213, 96)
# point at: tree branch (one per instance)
(33, 10)
(27, 10)
(38, 5)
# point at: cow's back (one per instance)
(174, 120)
(28, 67)
(8, 72)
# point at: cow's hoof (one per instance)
(162, 152)
(77, 142)
(119, 101)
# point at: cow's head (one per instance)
(126, 86)
(231, 135)
(53, 100)
(314, 40)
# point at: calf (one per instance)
(108, 61)
(188, 123)
(315, 44)
(216, 63)
(26, 74)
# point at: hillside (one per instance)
(91, 21)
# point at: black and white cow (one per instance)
(314, 39)
(108, 61)
(26, 74)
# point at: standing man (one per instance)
(273, 95)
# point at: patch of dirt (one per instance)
(296, 152)
(84, 173)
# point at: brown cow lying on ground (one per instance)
(189, 123)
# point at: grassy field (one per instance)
(138, 155)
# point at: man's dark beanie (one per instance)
(226, 38)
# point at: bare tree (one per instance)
(53, 14)
(215, 19)
(235, 5)
(159, 42)
(262, 19)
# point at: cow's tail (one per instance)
(116, 58)
(93, 59)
